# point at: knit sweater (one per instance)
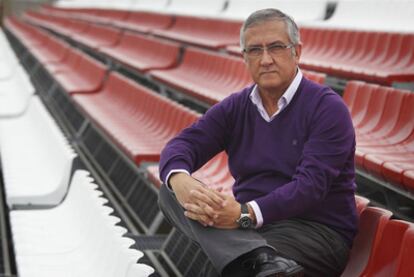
(299, 165)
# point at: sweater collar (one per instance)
(283, 102)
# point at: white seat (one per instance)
(196, 8)
(77, 238)
(15, 94)
(300, 10)
(36, 158)
(371, 15)
(150, 5)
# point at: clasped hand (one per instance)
(207, 206)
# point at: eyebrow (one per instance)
(260, 45)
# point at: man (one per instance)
(291, 148)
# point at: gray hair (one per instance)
(265, 15)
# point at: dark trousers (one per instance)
(320, 250)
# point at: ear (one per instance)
(298, 51)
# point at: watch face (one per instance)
(245, 222)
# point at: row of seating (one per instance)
(379, 57)
(384, 123)
(371, 15)
(382, 247)
(77, 238)
(303, 11)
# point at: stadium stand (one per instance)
(122, 101)
(225, 75)
(46, 183)
(118, 127)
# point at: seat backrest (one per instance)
(371, 226)
(298, 9)
(361, 203)
(383, 259)
(405, 265)
(199, 8)
(46, 158)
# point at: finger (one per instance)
(194, 208)
(204, 220)
(206, 197)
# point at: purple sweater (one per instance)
(301, 164)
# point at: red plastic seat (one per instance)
(215, 174)
(207, 76)
(28, 35)
(143, 53)
(315, 76)
(138, 120)
(85, 75)
(361, 203)
(378, 57)
(97, 36)
(145, 22)
(206, 32)
(408, 179)
(405, 265)
(383, 259)
(371, 226)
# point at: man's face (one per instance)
(272, 69)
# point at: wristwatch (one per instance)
(245, 222)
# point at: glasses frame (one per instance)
(268, 48)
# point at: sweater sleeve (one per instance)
(197, 144)
(329, 146)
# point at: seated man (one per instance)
(291, 148)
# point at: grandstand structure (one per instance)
(91, 91)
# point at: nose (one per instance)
(266, 58)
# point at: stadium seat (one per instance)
(225, 75)
(143, 53)
(361, 203)
(145, 22)
(346, 15)
(36, 158)
(211, 8)
(301, 11)
(138, 120)
(405, 265)
(53, 51)
(383, 259)
(97, 36)
(77, 238)
(215, 174)
(84, 76)
(150, 5)
(378, 57)
(205, 32)
(15, 94)
(370, 230)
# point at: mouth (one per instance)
(267, 72)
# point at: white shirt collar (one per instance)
(283, 101)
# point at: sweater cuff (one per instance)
(167, 179)
(257, 213)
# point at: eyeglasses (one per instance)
(273, 50)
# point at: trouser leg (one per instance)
(221, 246)
(319, 249)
